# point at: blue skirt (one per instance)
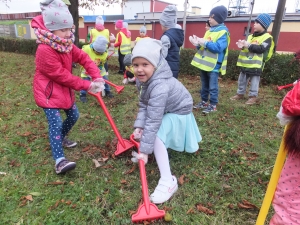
(180, 132)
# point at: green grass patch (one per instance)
(233, 164)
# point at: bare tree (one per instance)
(87, 4)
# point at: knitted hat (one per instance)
(264, 20)
(168, 17)
(56, 15)
(143, 29)
(219, 14)
(119, 24)
(127, 59)
(100, 44)
(141, 49)
(125, 25)
(99, 20)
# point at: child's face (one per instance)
(212, 21)
(258, 28)
(63, 33)
(143, 69)
(142, 34)
(206, 27)
(163, 28)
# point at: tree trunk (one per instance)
(75, 13)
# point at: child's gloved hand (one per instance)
(96, 86)
(283, 119)
(193, 41)
(295, 82)
(131, 79)
(239, 44)
(137, 156)
(201, 41)
(125, 81)
(245, 44)
(112, 37)
(137, 133)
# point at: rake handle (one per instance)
(284, 86)
(118, 88)
(108, 116)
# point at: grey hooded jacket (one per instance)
(161, 94)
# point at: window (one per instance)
(245, 31)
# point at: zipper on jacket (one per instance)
(50, 88)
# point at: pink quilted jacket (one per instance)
(54, 83)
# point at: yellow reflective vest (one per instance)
(94, 33)
(254, 60)
(125, 47)
(99, 60)
(139, 38)
(206, 60)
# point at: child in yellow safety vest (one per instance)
(97, 51)
(99, 30)
(211, 58)
(129, 76)
(256, 51)
(143, 34)
(123, 43)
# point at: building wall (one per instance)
(130, 8)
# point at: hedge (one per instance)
(280, 69)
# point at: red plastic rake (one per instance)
(123, 144)
(119, 89)
(284, 86)
(147, 210)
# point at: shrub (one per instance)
(280, 69)
(23, 46)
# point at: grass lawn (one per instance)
(233, 164)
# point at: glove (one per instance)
(201, 41)
(295, 82)
(137, 156)
(96, 86)
(125, 81)
(193, 41)
(112, 37)
(137, 133)
(239, 44)
(245, 44)
(283, 119)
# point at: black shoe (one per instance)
(120, 72)
(83, 98)
(108, 94)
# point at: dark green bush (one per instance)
(280, 69)
(23, 46)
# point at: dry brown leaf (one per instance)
(68, 202)
(97, 199)
(123, 181)
(71, 183)
(86, 149)
(245, 202)
(131, 212)
(191, 210)
(103, 159)
(29, 197)
(131, 170)
(181, 179)
(28, 151)
(73, 206)
(97, 164)
(146, 223)
(230, 206)
(205, 210)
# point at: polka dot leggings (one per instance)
(58, 129)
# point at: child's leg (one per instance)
(72, 117)
(254, 86)
(204, 92)
(213, 87)
(162, 159)
(55, 133)
(167, 184)
(242, 83)
(106, 66)
(121, 63)
(83, 92)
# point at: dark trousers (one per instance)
(121, 63)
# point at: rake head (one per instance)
(142, 215)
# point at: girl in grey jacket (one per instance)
(165, 118)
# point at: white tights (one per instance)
(162, 159)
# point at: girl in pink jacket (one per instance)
(54, 83)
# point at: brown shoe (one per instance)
(252, 100)
(237, 97)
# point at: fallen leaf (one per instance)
(97, 164)
(35, 193)
(29, 197)
(131, 212)
(103, 159)
(97, 199)
(28, 151)
(205, 210)
(230, 206)
(247, 205)
(181, 179)
(68, 202)
(123, 181)
(71, 183)
(131, 170)
(73, 206)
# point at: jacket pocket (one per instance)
(49, 90)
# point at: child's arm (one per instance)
(219, 46)
(263, 47)
(83, 59)
(119, 37)
(166, 44)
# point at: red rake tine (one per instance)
(119, 89)
(284, 86)
(125, 144)
(147, 210)
(110, 55)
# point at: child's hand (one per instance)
(137, 133)
(112, 37)
(97, 86)
(193, 41)
(283, 119)
(239, 44)
(245, 44)
(201, 41)
(137, 156)
(125, 81)
(295, 82)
